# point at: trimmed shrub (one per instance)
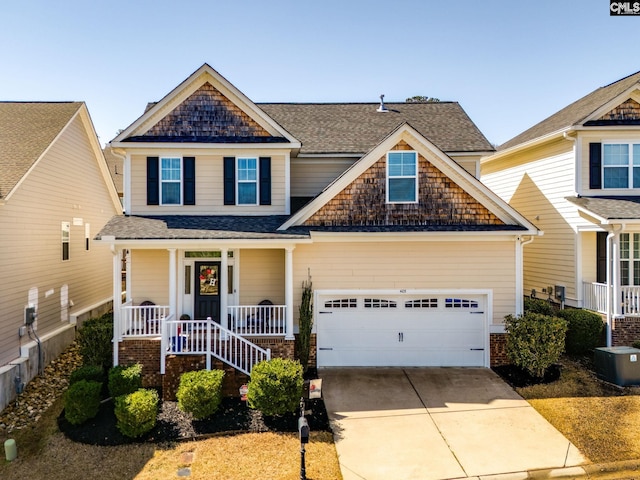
(636, 344)
(305, 324)
(537, 305)
(584, 330)
(534, 341)
(276, 386)
(125, 380)
(137, 412)
(82, 401)
(95, 341)
(93, 373)
(200, 392)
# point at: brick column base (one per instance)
(498, 349)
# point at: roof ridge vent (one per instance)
(382, 108)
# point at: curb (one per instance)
(628, 469)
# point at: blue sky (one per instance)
(510, 64)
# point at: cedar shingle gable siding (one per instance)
(206, 116)
(440, 201)
(627, 113)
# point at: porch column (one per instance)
(224, 287)
(173, 282)
(288, 291)
(615, 270)
(129, 288)
(117, 301)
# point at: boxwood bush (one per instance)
(124, 380)
(537, 305)
(584, 330)
(137, 412)
(276, 386)
(94, 341)
(82, 401)
(534, 341)
(92, 373)
(200, 392)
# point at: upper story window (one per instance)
(247, 181)
(171, 180)
(621, 165)
(402, 177)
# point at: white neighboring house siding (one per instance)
(64, 185)
(447, 265)
(209, 185)
(536, 184)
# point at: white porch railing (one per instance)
(142, 320)
(205, 337)
(595, 298)
(262, 320)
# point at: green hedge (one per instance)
(584, 330)
(534, 341)
(200, 393)
(137, 412)
(92, 373)
(82, 401)
(94, 339)
(276, 386)
(125, 380)
(537, 305)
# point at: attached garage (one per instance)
(417, 328)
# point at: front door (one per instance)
(207, 298)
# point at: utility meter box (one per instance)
(618, 365)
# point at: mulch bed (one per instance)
(518, 377)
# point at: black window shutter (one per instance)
(189, 188)
(229, 180)
(153, 181)
(265, 180)
(595, 164)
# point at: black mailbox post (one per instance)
(303, 432)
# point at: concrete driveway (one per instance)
(437, 423)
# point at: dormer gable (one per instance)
(204, 109)
(626, 113)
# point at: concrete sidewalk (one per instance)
(438, 423)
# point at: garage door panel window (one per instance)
(422, 303)
(460, 303)
(379, 303)
(341, 303)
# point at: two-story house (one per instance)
(576, 175)
(55, 195)
(230, 206)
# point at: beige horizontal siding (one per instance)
(64, 185)
(209, 189)
(261, 276)
(419, 265)
(150, 276)
(310, 176)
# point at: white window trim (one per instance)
(180, 182)
(403, 176)
(630, 166)
(256, 181)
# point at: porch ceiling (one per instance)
(610, 208)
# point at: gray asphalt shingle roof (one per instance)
(334, 128)
(576, 113)
(610, 208)
(26, 130)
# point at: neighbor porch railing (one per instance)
(205, 337)
(595, 298)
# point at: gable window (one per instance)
(247, 181)
(621, 165)
(170, 180)
(66, 233)
(630, 259)
(402, 177)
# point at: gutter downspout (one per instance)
(520, 273)
(612, 271)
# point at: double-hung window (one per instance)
(621, 165)
(630, 258)
(402, 177)
(247, 181)
(171, 180)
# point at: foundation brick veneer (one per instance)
(498, 349)
(625, 331)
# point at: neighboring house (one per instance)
(55, 195)
(576, 175)
(115, 165)
(230, 206)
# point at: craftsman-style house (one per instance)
(576, 175)
(230, 206)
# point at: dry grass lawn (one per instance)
(45, 453)
(601, 420)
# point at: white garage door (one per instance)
(374, 329)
